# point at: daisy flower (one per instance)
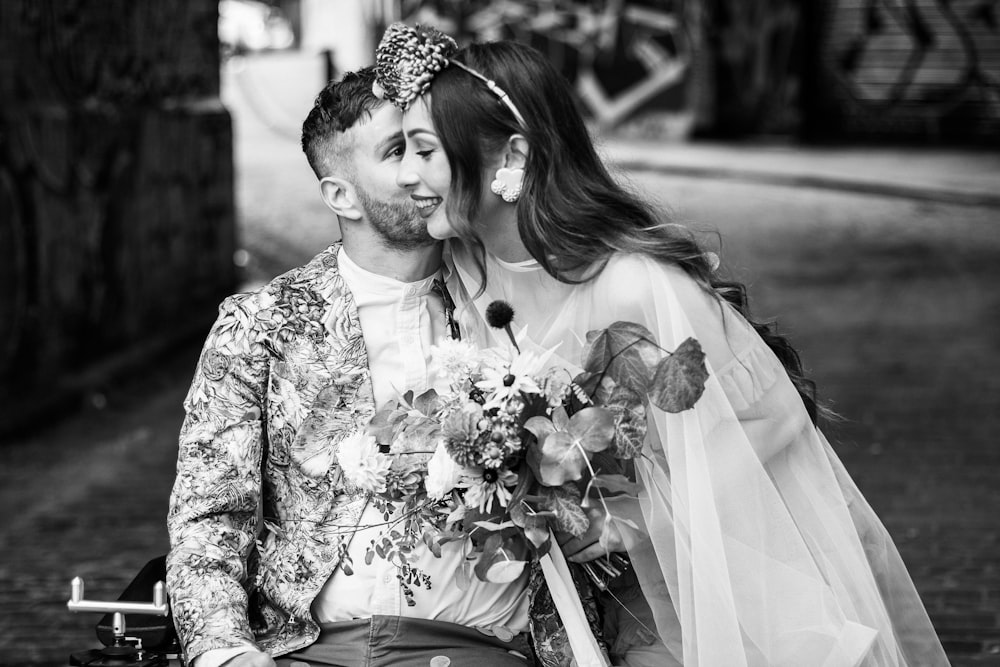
(504, 380)
(490, 485)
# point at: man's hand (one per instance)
(251, 659)
(587, 547)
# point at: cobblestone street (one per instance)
(891, 299)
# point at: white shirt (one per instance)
(400, 322)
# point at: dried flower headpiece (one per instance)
(407, 60)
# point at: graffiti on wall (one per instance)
(623, 57)
(755, 53)
(927, 66)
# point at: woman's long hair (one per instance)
(568, 201)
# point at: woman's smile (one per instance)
(426, 205)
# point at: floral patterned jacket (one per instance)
(259, 518)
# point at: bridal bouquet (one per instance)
(516, 448)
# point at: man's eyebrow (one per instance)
(393, 138)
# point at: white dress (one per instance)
(756, 547)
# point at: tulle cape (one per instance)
(755, 546)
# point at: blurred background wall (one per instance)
(116, 156)
(821, 70)
(116, 189)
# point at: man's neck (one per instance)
(406, 266)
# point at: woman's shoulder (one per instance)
(637, 274)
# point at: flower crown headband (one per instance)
(407, 60)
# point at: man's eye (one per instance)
(396, 152)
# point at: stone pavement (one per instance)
(881, 262)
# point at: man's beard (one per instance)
(398, 225)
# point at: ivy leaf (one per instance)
(630, 422)
(625, 351)
(426, 402)
(679, 380)
(592, 428)
(565, 502)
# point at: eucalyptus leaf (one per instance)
(560, 419)
(536, 529)
(492, 526)
(463, 576)
(679, 380)
(592, 428)
(540, 427)
(489, 555)
(557, 459)
(611, 532)
(616, 484)
(504, 571)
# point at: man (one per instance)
(259, 519)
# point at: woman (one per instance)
(755, 547)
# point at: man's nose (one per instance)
(405, 176)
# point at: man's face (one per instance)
(378, 148)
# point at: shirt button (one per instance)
(387, 578)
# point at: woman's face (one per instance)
(424, 170)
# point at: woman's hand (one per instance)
(251, 659)
(587, 547)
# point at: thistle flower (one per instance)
(499, 315)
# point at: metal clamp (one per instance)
(158, 607)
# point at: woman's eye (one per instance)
(425, 153)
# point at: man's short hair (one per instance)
(337, 108)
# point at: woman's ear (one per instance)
(516, 152)
(339, 197)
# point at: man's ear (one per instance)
(515, 154)
(340, 197)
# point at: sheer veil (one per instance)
(755, 547)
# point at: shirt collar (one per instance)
(362, 281)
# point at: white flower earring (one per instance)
(507, 183)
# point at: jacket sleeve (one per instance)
(213, 511)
